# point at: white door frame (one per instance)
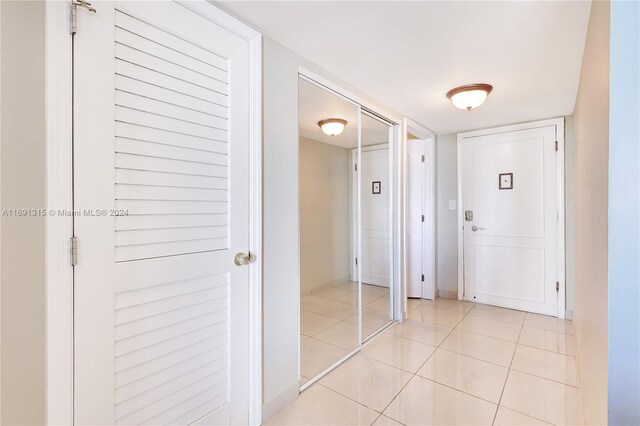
(59, 196)
(429, 230)
(559, 124)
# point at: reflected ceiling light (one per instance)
(470, 96)
(332, 126)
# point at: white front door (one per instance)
(375, 233)
(161, 167)
(510, 187)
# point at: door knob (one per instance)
(475, 228)
(242, 259)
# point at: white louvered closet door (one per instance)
(161, 104)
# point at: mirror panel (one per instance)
(376, 227)
(329, 299)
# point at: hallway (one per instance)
(452, 362)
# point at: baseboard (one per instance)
(568, 315)
(324, 286)
(272, 407)
(448, 294)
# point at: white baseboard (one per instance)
(448, 294)
(272, 407)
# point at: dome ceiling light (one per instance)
(470, 96)
(332, 126)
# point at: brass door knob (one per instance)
(242, 259)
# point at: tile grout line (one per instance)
(413, 375)
(504, 386)
(489, 337)
(498, 405)
(422, 365)
(333, 325)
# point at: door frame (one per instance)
(560, 232)
(429, 228)
(59, 196)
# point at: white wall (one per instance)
(325, 230)
(281, 275)
(624, 214)
(591, 133)
(22, 240)
(446, 220)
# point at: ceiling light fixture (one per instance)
(470, 96)
(332, 126)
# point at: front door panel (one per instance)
(510, 246)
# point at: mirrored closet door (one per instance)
(345, 181)
(375, 262)
(329, 296)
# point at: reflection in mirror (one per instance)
(375, 232)
(328, 293)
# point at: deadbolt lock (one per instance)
(468, 215)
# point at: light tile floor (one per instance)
(451, 363)
(329, 323)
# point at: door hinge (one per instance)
(556, 146)
(557, 286)
(423, 158)
(422, 278)
(356, 261)
(74, 12)
(74, 251)
(356, 167)
(423, 218)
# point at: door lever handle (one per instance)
(475, 228)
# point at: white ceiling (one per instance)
(408, 54)
(317, 104)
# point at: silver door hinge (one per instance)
(74, 251)
(556, 146)
(423, 158)
(74, 12)
(356, 167)
(423, 218)
(422, 277)
(356, 260)
(558, 286)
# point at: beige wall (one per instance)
(569, 212)
(22, 240)
(591, 133)
(325, 231)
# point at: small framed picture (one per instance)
(376, 187)
(505, 181)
